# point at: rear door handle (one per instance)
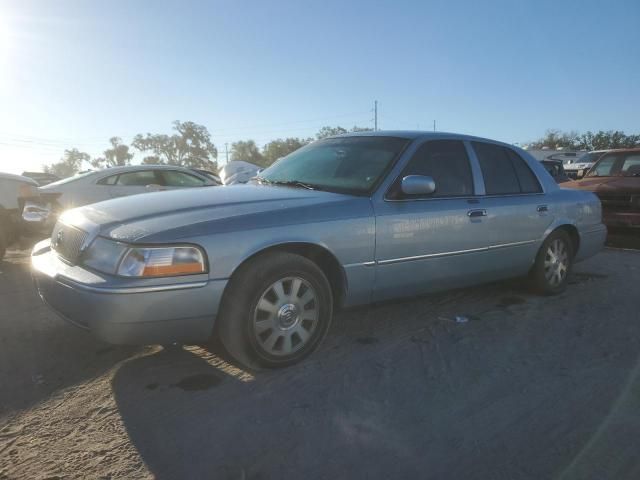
(543, 208)
(477, 213)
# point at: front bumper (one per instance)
(118, 311)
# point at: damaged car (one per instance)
(615, 179)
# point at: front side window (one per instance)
(141, 178)
(446, 161)
(173, 178)
(344, 164)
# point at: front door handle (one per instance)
(477, 213)
(543, 208)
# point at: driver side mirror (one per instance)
(418, 185)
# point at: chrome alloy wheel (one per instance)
(556, 262)
(286, 316)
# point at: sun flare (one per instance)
(4, 40)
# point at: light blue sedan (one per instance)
(344, 221)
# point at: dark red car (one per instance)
(615, 179)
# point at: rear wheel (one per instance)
(276, 311)
(553, 264)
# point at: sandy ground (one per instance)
(529, 387)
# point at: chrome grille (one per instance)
(67, 241)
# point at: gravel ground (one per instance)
(529, 387)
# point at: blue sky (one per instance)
(74, 73)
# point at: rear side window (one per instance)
(527, 179)
(173, 178)
(631, 165)
(108, 180)
(504, 171)
(140, 178)
(446, 161)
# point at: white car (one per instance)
(99, 185)
(14, 191)
(238, 171)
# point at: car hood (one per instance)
(606, 184)
(182, 213)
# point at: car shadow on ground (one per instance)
(398, 390)
(40, 353)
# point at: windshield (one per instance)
(343, 164)
(71, 179)
(588, 157)
(626, 164)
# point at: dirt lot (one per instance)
(529, 387)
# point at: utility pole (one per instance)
(434, 125)
(375, 115)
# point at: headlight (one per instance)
(162, 262)
(104, 255)
(116, 258)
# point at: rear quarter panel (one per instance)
(583, 211)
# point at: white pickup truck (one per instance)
(578, 167)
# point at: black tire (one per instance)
(240, 323)
(551, 270)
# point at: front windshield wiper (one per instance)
(287, 183)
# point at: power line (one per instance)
(101, 139)
(375, 115)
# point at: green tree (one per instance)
(280, 147)
(361, 129)
(69, 164)
(151, 160)
(325, 132)
(116, 156)
(190, 146)
(555, 139)
(247, 151)
(604, 140)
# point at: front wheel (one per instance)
(276, 311)
(553, 264)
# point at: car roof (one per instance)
(131, 168)
(630, 150)
(420, 134)
(19, 178)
